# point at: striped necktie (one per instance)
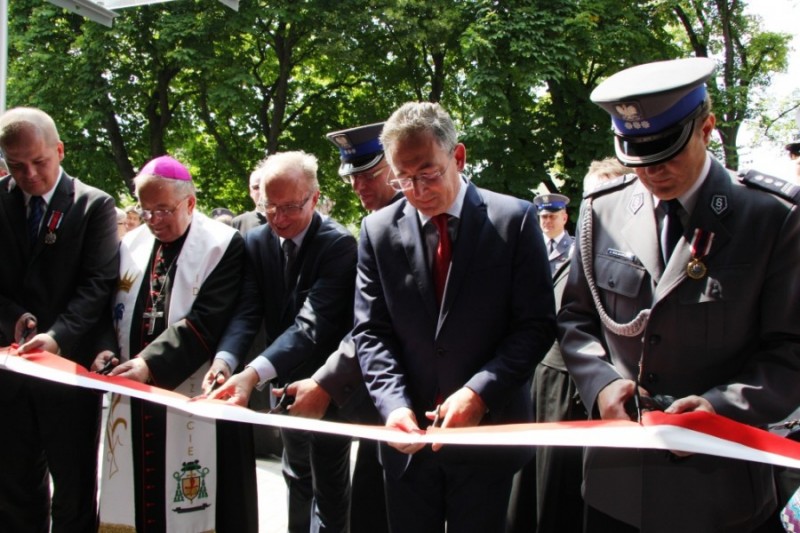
(35, 214)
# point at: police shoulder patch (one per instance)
(777, 186)
(612, 185)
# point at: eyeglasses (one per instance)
(287, 210)
(366, 176)
(426, 178)
(148, 214)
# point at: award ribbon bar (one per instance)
(696, 432)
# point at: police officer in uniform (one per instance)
(695, 273)
(552, 209)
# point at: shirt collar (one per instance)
(689, 199)
(298, 239)
(557, 238)
(49, 194)
(455, 208)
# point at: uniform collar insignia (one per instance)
(636, 203)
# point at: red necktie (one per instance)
(441, 259)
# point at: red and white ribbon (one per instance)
(697, 432)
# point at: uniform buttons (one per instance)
(652, 378)
(440, 352)
(611, 283)
(655, 340)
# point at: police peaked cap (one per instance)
(550, 202)
(360, 148)
(653, 107)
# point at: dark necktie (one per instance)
(35, 214)
(552, 245)
(289, 248)
(441, 259)
(672, 228)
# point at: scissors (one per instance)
(283, 403)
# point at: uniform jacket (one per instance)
(305, 322)
(561, 253)
(67, 284)
(495, 324)
(732, 336)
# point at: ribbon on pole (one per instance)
(697, 432)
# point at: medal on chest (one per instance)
(701, 246)
(52, 225)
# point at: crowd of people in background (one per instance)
(455, 307)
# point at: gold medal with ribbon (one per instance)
(700, 245)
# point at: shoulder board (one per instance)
(777, 186)
(613, 185)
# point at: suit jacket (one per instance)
(247, 221)
(495, 324)
(305, 322)
(561, 254)
(341, 378)
(67, 284)
(732, 336)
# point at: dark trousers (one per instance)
(595, 521)
(48, 428)
(316, 468)
(467, 497)
(368, 498)
(598, 522)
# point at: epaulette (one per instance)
(611, 185)
(777, 186)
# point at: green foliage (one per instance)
(221, 89)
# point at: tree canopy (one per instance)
(221, 89)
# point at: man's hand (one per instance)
(310, 399)
(135, 369)
(40, 341)
(217, 374)
(404, 420)
(237, 388)
(463, 408)
(103, 358)
(611, 399)
(688, 405)
(25, 328)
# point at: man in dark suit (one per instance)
(59, 267)
(255, 218)
(365, 169)
(298, 281)
(684, 287)
(454, 308)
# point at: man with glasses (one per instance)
(364, 167)
(178, 283)
(57, 274)
(454, 308)
(298, 282)
(681, 296)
